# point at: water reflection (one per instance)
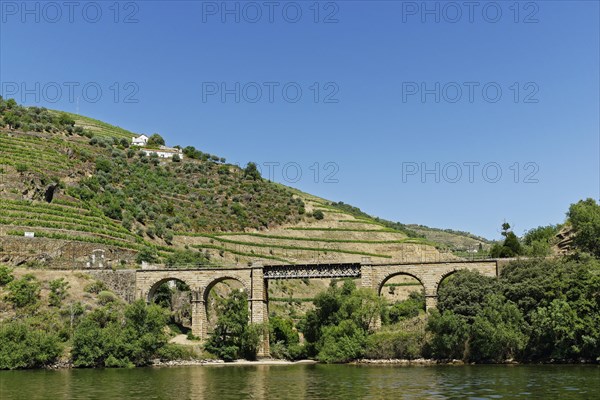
(306, 382)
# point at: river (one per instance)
(307, 382)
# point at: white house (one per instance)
(141, 140)
(164, 152)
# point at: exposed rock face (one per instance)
(49, 194)
(34, 188)
(565, 239)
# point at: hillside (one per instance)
(89, 197)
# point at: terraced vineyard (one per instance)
(99, 128)
(76, 181)
(34, 153)
(328, 240)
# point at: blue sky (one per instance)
(369, 94)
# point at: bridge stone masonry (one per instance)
(254, 280)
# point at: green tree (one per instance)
(232, 337)
(464, 293)
(531, 283)
(499, 331)
(585, 218)
(342, 343)
(282, 331)
(25, 345)
(511, 246)
(406, 309)
(6, 275)
(555, 331)
(114, 336)
(156, 140)
(146, 254)
(558, 299)
(65, 119)
(251, 171)
(541, 233)
(11, 104)
(58, 291)
(11, 120)
(24, 292)
(450, 335)
(336, 330)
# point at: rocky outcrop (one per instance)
(565, 240)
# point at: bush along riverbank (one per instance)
(536, 311)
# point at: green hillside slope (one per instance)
(76, 183)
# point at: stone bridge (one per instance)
(255, 279)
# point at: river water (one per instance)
(307, 382)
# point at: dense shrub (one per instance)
(233, 337)
(94, 287)
(58, 291)
(6, 275)
(337, 329)
(405, 340)
(106, 297)
(172, 351)
(187, 259)
(585, 219)
(24, 292)
(117, 336)
(450, 335)
(464, 292)
(406, 309)
(538, 310)
(25, 346)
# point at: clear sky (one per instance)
(408, 110)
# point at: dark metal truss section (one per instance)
(312, 271)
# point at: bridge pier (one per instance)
(259, 308)
(430, 302)
(199, 321)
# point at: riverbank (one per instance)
(426, 362)
(418, 361)
(180, 363)
(396, 362)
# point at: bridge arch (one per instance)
(397, 274)
(209, 312)
(220, 279)
(443, 277)
(154, 287)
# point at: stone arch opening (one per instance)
(216, 294)
(158, 284)
(405, 297)
(175, 295)
(400, 280)
(443, 279)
